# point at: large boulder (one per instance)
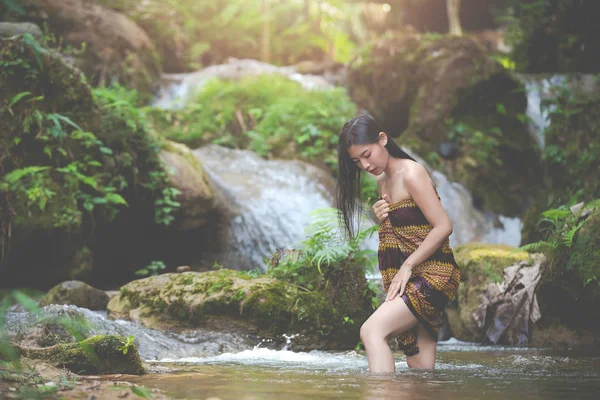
(77, 293)
(116, 48)
(456, 107)
(187, 175)
(84, 192)
(480, 264)
(8, 29)
(100, 354)
(233, 301)
(585, 261)
(570, 292)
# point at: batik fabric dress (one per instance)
(432, 283)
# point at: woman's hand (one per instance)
(381, 209)
(399, 282)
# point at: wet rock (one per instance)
(187, 175)
(555, 335)
(448, 150)
(235, 302)
(77, 293)
(100, 354)
(18, 28)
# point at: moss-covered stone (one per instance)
(479, 264)
(431, 90)
(116, 48)
(73, 180)
(228, 299)
(570, 292)
(100, 354)
(585, 257)
(77, 293)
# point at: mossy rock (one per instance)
(479, 265)
(116, 48)
(72, 230)
(187, 175)
(585, 257)
(232, 300)
(433, 90)
(569, 293)
(77, 293)
(100, 354)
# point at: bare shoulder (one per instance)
(415, 174)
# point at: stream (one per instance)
(200, 365)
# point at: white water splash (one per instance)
(271, 201)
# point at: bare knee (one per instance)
(365, 332)
(369, 333)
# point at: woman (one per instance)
(415, 259)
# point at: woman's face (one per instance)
(372, 157)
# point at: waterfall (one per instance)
(540, 87)
(270, 201)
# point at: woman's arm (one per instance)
(418, 183)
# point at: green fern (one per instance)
(36, 47)
(567, 237)
(18, 174)
(537, 247)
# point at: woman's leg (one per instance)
(427, 346)
(391, 318)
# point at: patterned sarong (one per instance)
(432, 283)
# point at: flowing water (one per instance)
(463, 371)
(202, 365)
(270, 202)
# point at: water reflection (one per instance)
(490, 374)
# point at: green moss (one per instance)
(270, 305)
(585, 254)
(271, 115)
(65, 178)
(471, 258)
(479, 265)
(98, 354)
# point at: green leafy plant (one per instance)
(152, 269)
(326, 258)
(269, 114)
(558, 227)
(128, 344)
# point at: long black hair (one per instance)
(358, 130)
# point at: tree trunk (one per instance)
(307, 10)
(265, 42)
(453, 10)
